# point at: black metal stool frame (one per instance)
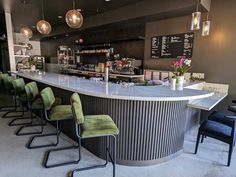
(18, 132)
(20, 117)
(113, 159)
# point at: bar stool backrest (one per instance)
(19, 86)
(31, 90)
(77, 108)
(7, 81)
(48, 98)
(1, 79)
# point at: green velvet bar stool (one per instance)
(93, 126)
(20, 95)
(8, 90)
(53, 112)
(1, 81)
(35, 105)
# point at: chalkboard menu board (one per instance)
(172, 46)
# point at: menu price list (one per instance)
(172, 46)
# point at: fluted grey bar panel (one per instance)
(150, 131)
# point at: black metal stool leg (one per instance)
(114, 156)
(113, 160)
(7, 108)
(202, 139)
(47, 154)
(29, 144)
(197, 143)
(18, 132)
(12, 110)
(21, 117)
(230, 154)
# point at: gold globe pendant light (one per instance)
(74, 18)
(26, 31)
(196, 19)
(43, 26)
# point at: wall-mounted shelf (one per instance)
(95, 53)
(20, 46)
(21, 56)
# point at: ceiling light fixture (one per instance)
(43, 26)
(26, 31)
(74, 18)
(196, 19)
(206, 27)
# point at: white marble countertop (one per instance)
(209, 103)
(114, 91)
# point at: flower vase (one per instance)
(33, 68)
(180, 83)
(173, 83)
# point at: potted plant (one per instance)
(181, 66)
(173, 82)
(32, 63)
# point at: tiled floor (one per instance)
(18, 161)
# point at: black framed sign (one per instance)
(172, 46)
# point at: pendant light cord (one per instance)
(73, 4)
(197, 5)
(42, 10)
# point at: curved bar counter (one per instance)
(152, 119)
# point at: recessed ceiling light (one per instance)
(67, 35)
(59, 16)
(107, 0)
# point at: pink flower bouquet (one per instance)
(181, 66)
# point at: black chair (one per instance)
(220, 131)
(232, 108)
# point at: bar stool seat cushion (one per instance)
(61, 112)
(98, 125)
(216, 129)
(221, 117)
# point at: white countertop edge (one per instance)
(182, 98)
(192, 105)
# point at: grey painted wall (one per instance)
(214, 55)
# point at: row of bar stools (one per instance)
(221, 127)
(7, 87)
(51, 109)
(35, 106)
(89, 127)
(14, 87)
(19, 92)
